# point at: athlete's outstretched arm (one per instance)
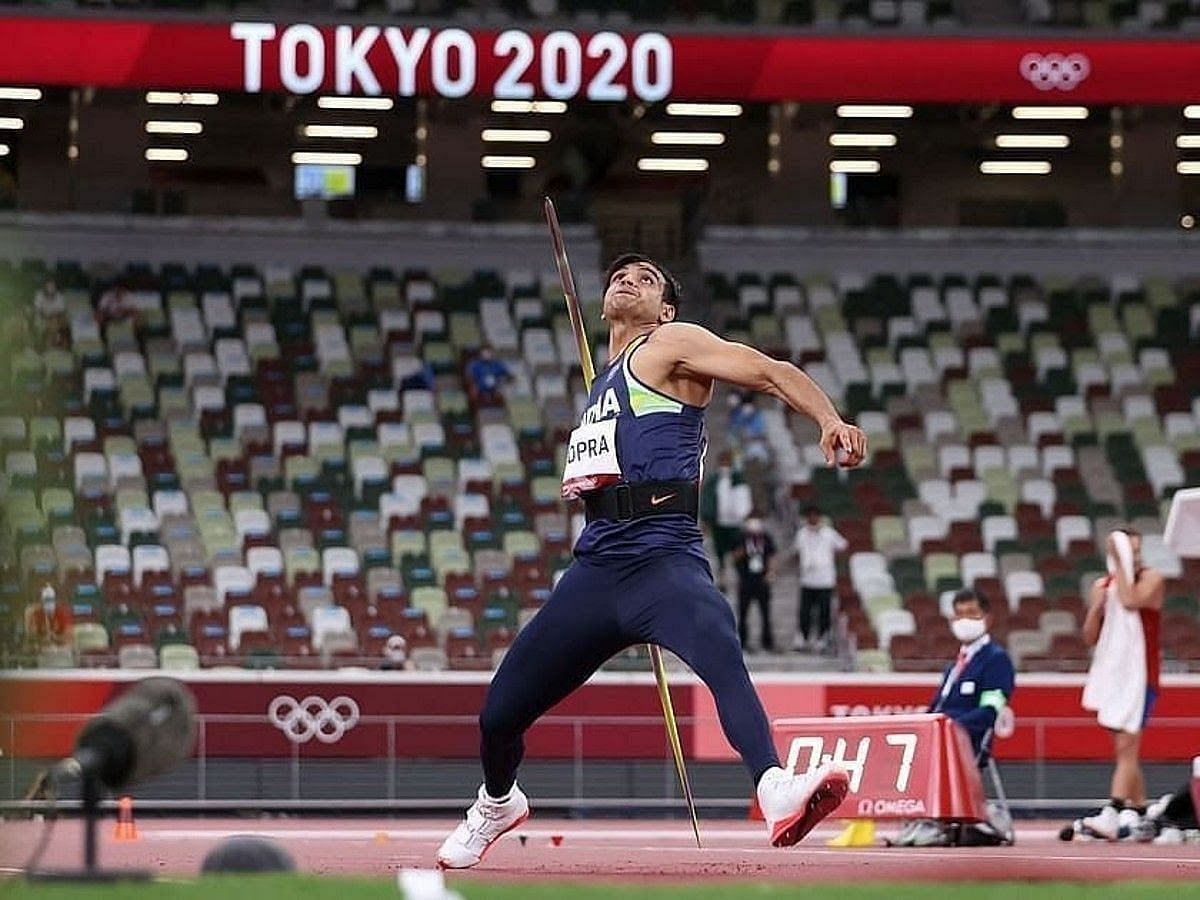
(701, 353)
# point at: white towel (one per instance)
(1116, 682)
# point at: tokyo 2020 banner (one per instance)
(604, 66)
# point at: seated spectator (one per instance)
(50, 314)
(395, 654)
(47, 621)
(421, 380)
(114, 305)
(486, 375)
(749, 429)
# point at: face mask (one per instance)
(968, 630)
(754, 526)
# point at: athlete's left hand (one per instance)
(839, 435)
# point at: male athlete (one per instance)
(640, 573)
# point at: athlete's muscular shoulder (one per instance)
(658, 362)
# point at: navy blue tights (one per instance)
(595, 612)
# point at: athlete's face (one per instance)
(635, 294)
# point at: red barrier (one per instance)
(901, 767)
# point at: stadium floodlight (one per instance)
(704, 109)
(1188, 142)
(874, 111)
(1192, 111)
(18, 93)
(360, 132)
(516, 135)
(508, 162)
(155, 126)
(11, 123)
(662, 164)
(166, 154)
(1188, 167)
(1032, 141)
(848, 139)
(1015, 167)
(4, 150)
(854, 166)
(551, 107)
(182, 98)
(687, 138)
(1076, 113)
(377, 103)
(326, 158)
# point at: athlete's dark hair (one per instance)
(672, 291)
(966, 595)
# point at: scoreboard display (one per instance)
(901, 767)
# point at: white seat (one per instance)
(988, 456)
(135, 519)
(922, 528)
(1042, 492)
(123, 465)
(998, 528)
(470, 506)
(393, 434)
(77, 430)
(1018, 585)
(1022, 457)
(891, 622)
(1072, 528)
(369, 469)
(355, 416)
(326, 621)
(953, 456)
(264, 561)
(1055, 457)
(149, 558)
(940, 422)
(245, 617)
(237, 581)
(429, 434)
(1024, 642)
(169, 503)
(977, 564)
(338, 561)
(251, 523)
(383, 400)
(1058, 621)
(474, 470)
(90, 466)
(112, 558)
(289, 432)
(935, 494)
(248, 415)
(96, 379)
(325, 434)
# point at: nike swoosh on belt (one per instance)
(655, 500)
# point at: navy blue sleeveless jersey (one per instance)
(658, 438)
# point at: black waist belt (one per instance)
(638, 501)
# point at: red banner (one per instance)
(395, 60)
(355, 715)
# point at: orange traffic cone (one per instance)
(126, 829)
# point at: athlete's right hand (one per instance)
(836, 435)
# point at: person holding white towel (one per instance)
(1122, 622)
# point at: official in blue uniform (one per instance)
(979, 683)
(640, 573)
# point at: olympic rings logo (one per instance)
(313, 717)
(1055, 70)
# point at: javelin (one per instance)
(589, 375)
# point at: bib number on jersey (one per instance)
(591, 459)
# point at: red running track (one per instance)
(607, 850)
